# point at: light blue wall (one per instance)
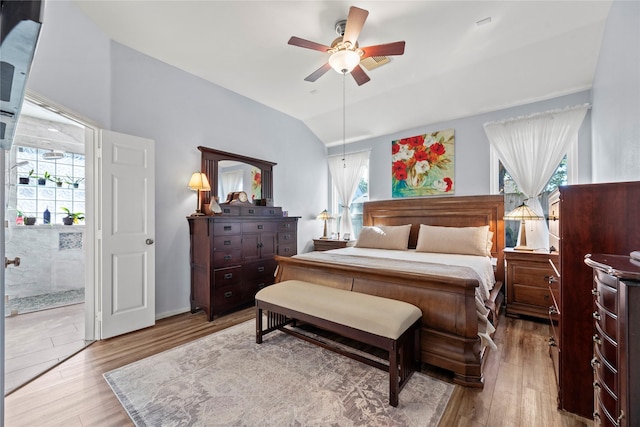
(79, 68)
(472, 155)
(616, 97)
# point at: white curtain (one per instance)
(346, 172)
(530, 149)
(230, 181)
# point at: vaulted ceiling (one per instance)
(452, 66)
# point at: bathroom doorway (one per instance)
(45, 205)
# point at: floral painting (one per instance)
(423, 165)
(256, 183)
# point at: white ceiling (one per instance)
(532, 50)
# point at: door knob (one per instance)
(149, 241)
(8, 262)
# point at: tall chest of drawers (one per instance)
(616, 339)
(232, 257)
(583, 219)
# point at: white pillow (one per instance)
(384, 237)
(454, 240)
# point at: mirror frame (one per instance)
(209, 166)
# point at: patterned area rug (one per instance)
(226, 379)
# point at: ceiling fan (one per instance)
(345, 53)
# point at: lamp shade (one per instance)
(324, 215)
(199, 182)
(522, 213)
(343, 61)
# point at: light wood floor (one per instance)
(34, 342)
(519, 390)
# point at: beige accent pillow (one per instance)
(384, 237)
(453, 240)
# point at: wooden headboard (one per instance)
(462, 211)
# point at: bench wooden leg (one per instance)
(258, 325)
(393, 374)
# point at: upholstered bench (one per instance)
(384, 323)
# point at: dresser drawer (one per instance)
(533, 295)
(604, 373)
(260, 270)
(285, 237)
(608, 321)
(225, 243)
(225, 228)
(287, 226)
(607, 348)
(227, 276)
(288, 249)
(230, 210)
(531, 275)
(227, 258)
(259, 227)
(606, 296)
(227, 298)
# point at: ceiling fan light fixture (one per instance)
(344, 61)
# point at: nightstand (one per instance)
(530, 282)
(327, 244)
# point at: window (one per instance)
(513, 197)
(357, 205)
(62, 187)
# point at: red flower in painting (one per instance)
(403, 141)
(395, 148)
(257, 178)
(416, 141)
(420, 155)
(399, 170)
(437, 148)
(449, 184)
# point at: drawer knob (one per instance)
(227, 257)
(228, 227)
(228, 294)
(597, 340)
(260, 269)
(596, 315)
(228, 276)
(595, 292)
(595, 363)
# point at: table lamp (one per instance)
(199, 183)
(325, 216)
(522, 213)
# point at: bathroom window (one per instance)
(57, 181)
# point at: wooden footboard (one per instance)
(449, 323)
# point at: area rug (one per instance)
(226, 379)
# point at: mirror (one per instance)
(231, 172)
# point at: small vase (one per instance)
(29, 220)
(67, 220)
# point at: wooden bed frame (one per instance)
(449, 319)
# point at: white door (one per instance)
(126, 228)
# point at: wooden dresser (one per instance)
(585, 219)
(616, 341)
(231, 255)
(528, 289)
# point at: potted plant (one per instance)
(72, 217)
(74, 182)
(29, 220)
(57, 180)
(26, 179)
(42, 180)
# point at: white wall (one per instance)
(472, 176)
(616, 97)
(78, 67)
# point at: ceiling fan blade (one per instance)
(395, 48)
(355, 22)
(318, 73)
(359, 75)
(297, 41)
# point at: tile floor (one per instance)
(35, 342)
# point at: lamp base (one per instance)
(523, 248)
(198, 213)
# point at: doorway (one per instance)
(46, 294)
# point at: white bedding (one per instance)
(481, 268)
